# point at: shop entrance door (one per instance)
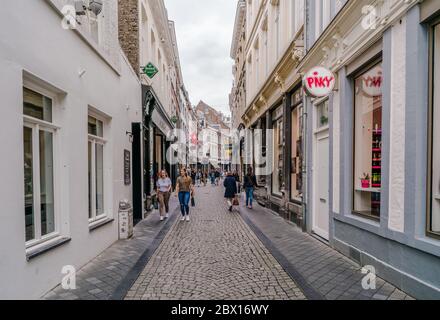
(321, 185)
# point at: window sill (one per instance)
(100, 223)
(47, 246)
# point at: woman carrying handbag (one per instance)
(230, 185)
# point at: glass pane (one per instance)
(36, 105)
(28, 184)
(46, 183)
(95, 127)
(90, 180)
(435, 211)
(296, 156)
(99, 162)
(278, 178)
(368, 142)
(322, 115)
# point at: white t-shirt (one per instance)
(163, 184)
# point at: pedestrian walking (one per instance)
(249, 184)
(212, 175)
(164, 186)
(184, 189)
(230, 190)
(217, 177)
(198, 178)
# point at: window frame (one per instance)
(37, 125)
(429, 194)
(277, 120)
(365, 68)
(97, 140)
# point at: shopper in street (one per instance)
(217, 177)
(212, 176)
(230, 190)
(198, 178)
(164, 187)
(249, 184)
(184, 189)
(237, 179)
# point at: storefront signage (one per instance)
(161, 123)
(319, 82)
(127, 168)
(372, 82)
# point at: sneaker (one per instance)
(183, 219)
(161, 218)
(167, 215)
(187, 218)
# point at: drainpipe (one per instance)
(304, 165)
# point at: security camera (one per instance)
(96, 6)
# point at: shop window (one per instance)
(297, 154)
(96, 148)
(38, 142)
(368, 143)
(434, 212)
(278, 173)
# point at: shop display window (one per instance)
(434, 206)
(297, 155)
(368, 143)
(277, 176)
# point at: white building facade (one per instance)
(70, 97)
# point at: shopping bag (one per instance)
(236, 202)
(193, 202)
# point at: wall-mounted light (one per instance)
(95, 6)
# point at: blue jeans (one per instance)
(184, 198)
(249, 196)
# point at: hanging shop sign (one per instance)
(150, 70)
(372, 82)
(127, 167)
(319, 82)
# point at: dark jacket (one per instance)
(230, 187)
(250, 181)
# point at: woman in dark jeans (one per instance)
(250, 183)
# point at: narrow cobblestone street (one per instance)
(218, 255)
(215, 256)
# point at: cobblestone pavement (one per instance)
(327, 271)
(215, 256)
(105, 276)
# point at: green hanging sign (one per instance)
(150, 70)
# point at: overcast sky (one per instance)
(204, 34)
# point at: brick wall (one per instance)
(129, 30)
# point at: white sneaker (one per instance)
(187, 218)
(161, 218)
(167, 216)
(183, 219)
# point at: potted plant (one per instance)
(365, 181)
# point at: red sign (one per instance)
(319, 82)
(372, 82)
